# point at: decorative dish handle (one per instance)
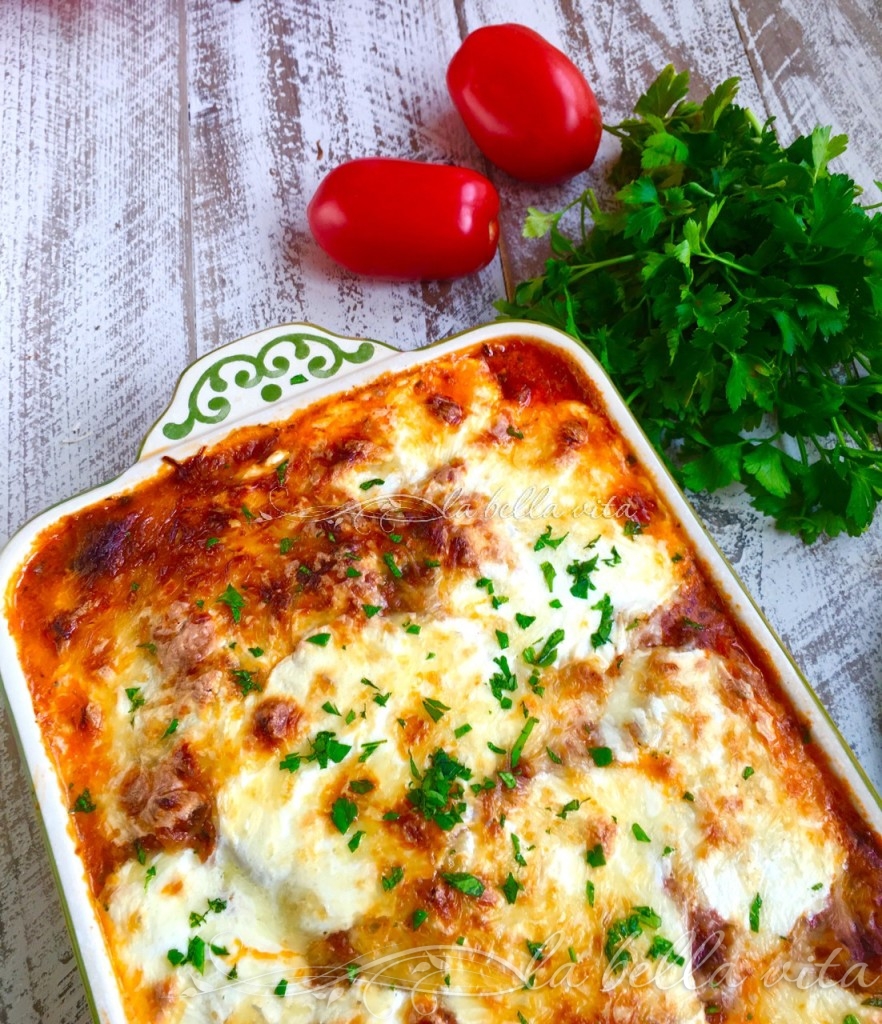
(253, 373)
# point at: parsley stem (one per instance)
(589, 268)
(728, 263)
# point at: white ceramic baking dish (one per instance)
(262, 378)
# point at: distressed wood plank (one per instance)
(92, 333)
(280, 94)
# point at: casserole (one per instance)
(419, 693)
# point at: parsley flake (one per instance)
(233, 600)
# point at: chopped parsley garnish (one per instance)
(370, 610)
(461, 730)
(548, 654)
(535, 949)
(343, 813)
(496, 750)
(524, 621)
(581, 573)
(755, 908)
(748, 771)
(661, 946)
(623, 931)
(195, 954)
(352, 573)
(217, 906)
(285, 545)
(391, 816)
(324, 748)
(331, 708)
(604, 630)
(389, 559)
(282, 471)
(249, 515)
(632, 528)
(412, 628)
(465, 883)
(589, 893)
(171, 728)
(355, 840)
(518, 747)
(513, 432)
(548, 574)
(817, 886)
(431, 563)
(595, 856)
(547, 541)
(281, 988)
(502, 639)
(504, 679)
(392, 879)
(552, 756)
(361, 786)
(438, 793)
(256, 652)
(434, 708)
(569, 808)
(211, 541)
(149, 875)
(556, 603)
(508, 780)
(245, 681)
(601, 756)
(639, 834)
(149, 647)
(516, 848)
(136, 700)
(368, 749)
(233, 600)
(613, 559)
(418, 917)
(485, 584)
(510, 888)
(396, 538)
(319, 639)
(382, 699)
(366, 485)
(689, 796)
(84, 803)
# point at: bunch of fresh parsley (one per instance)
(735, 298)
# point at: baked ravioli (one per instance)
(419, 707)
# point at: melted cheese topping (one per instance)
(418, 707)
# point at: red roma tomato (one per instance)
(526, 105)
(404, 220)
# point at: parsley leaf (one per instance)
(437, 792)
(465, 882)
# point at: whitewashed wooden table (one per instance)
(156, 159)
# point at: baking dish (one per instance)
(263, 378)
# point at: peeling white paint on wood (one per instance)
(155, 167)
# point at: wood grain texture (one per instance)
(157, 161)
(281, 93)
(92, 334)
